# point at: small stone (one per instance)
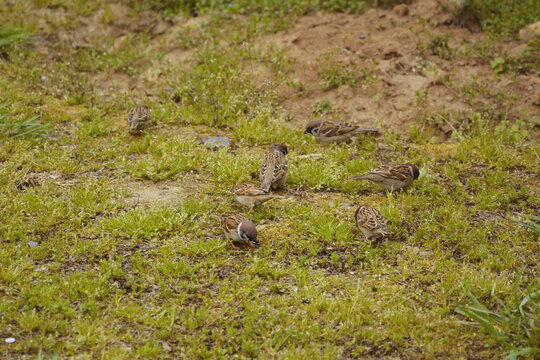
(448, 98)
(401, 10)
(32, 244)
(10, 340)
(346, 205)
(362, 36)
(167, 347)
(530, 32)
(310, 156)
(216, 142)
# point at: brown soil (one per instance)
(385, 36)
(383, 41)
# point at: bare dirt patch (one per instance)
(399, 76)
(148, 192)
(384, 43)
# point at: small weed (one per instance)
(437, 45)
(336, 74)
(518, 329)
(321, 107)
(21, 127)
(8, 37)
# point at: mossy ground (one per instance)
(93, 267)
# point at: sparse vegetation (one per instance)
(110, 246)
(8, 37)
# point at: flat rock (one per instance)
(32, 244)
(216, 142)
(530, 32)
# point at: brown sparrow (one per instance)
(392, 177)
(240, 230)
(334, 131)
(274, 167)
(371, 222)
(250, 194)
(139, 118)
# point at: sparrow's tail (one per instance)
(359, 177)
(362, 131)
(383, 231)
(282, 197)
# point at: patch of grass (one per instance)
(111, 244)
(518, 329)
(437, 45)
(336, 74)
(9, 36)
(11, 127)
(504, 17)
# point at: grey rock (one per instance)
(32, 244)
(216, 142)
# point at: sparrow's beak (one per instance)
(306, 131)
(253, 242)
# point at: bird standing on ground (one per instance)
(251, 195)
(334, 131)
(392, 177)
(139, 118)
(371, 222)
(274, 168)
(239, 230)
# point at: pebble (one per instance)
(32, 244)
(10, 340)
(216, 142)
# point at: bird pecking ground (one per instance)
(110, 243)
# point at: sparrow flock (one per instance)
(242, 232)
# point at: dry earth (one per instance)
(382, 41)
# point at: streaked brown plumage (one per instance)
(139, 119)
(392, 177)
(239, 230)
(334, 131)
(371, 222)
(274, 168)
(251, 195)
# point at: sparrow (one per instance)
(139, 118)
(274, 167)
(371, 222)
(250, 194)
(392, 177)
(240, 230)
(334, 131)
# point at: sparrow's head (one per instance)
(413, 169)
(248, 232)
(281, 147)
(313, 127)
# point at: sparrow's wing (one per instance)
(248, 190)
(131, 115)
(370, 218)
(390, 172)
(334, 128)
(229, 223)
(398, 172)
(274, 167)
